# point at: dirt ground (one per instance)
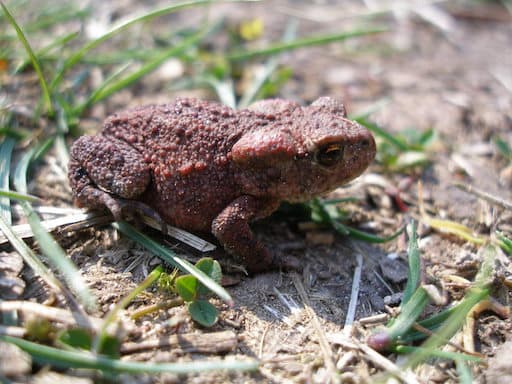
(449, 71)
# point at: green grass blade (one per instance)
(5, 165)
(106, 91)
(300, 43)
(504, 242)
(13, 195)
(171, 258)
(479, 292)
(368, 237)
(378, 131)
(43, 52)
(71, 359)
(224, 89)
(58, 258)
(75, 58)
(94, 94)
(270, 66)
(414, 273)
(431, 323)
(405, 349)
(114, 312)
(20, 173)
(371, 109)
(33, 59)
(409, 313)
(29, 257)
(56, 13)
(385, 339)
(322, 213)
(463, 371)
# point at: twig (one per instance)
(51, 313)
(12, 331)
(485, 195)
(216, 342)
(262, 341)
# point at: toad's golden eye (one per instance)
(329, 154)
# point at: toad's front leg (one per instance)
(231, 228)
(107, 172)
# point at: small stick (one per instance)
(52, 313)
(485, 195)
(215, 342)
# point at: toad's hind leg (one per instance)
(106, 172)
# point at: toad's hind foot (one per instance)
(119, 208)
(140, 209)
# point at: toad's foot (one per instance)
(231, 228)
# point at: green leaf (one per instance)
(187, 287)
(503, 147)
(111, 347)
(212, 269)
(75, 338)
(203, 312)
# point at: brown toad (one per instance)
(206, 167)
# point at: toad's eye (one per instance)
(329, 154)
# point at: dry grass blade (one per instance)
(447, 226)
(354, 293)
(485, 195)
(80, 219)
(76, 221)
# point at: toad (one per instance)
(204, 167)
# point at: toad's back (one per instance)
(178, 137)
(186, 145)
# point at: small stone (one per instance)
(13, 360)
(393, 269)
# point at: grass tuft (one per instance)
(33, 59)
